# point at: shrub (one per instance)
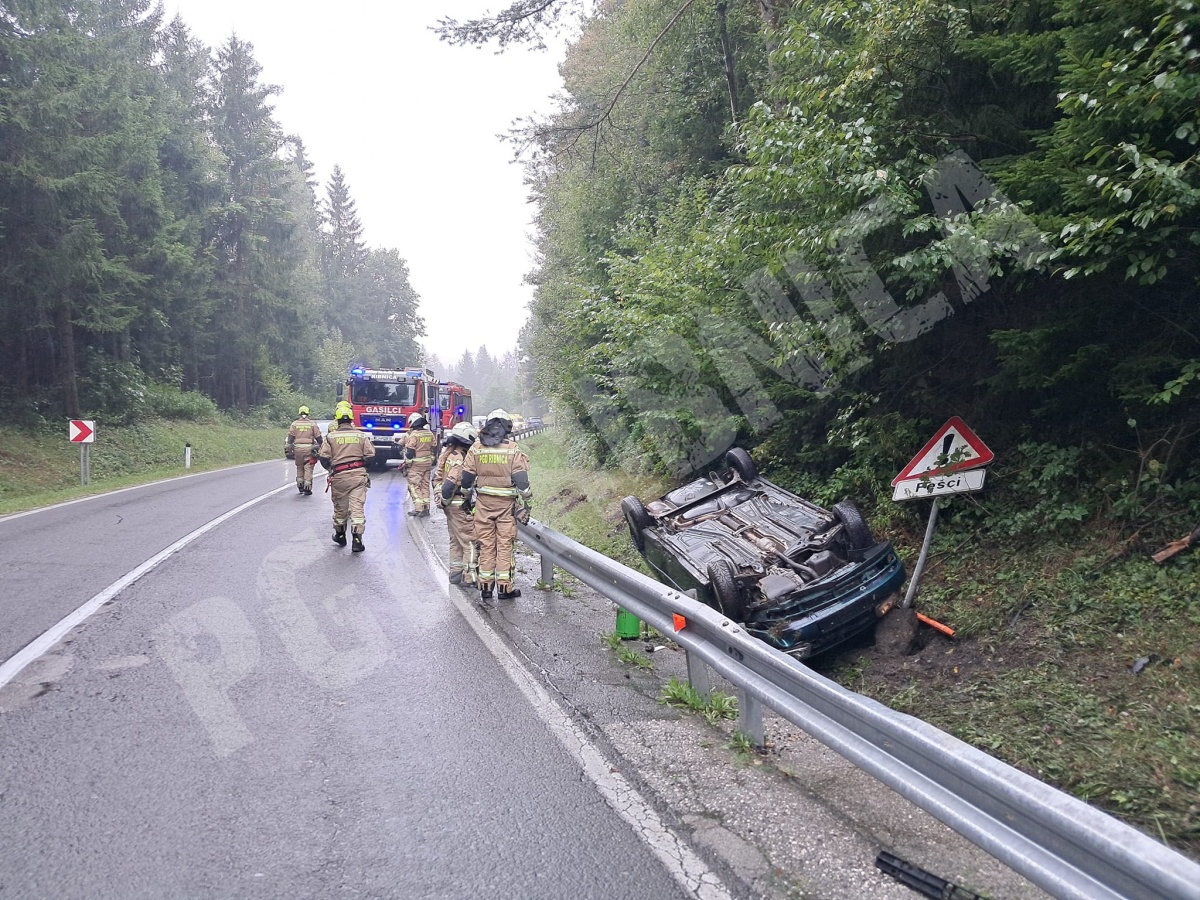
(169, 402)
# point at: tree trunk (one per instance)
(66, 357)
(730, 72)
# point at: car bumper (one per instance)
(827, 614)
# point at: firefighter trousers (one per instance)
(464, 551)
(349, 490)
(304, 466)
(496, 531)
(418, 483)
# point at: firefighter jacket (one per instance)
(419, 445)
(346, 449)
(449, 471)
(304, 436)
(497, 471)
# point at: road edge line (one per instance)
(673, 851)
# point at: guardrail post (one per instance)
(750, 717)
(699, 675)
(547, 570)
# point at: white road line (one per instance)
(681, 861)
(39, 645)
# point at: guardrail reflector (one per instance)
(680, 621)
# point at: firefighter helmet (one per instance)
(499, 414)
(343, 411)
(496, 428)
(417, 420)
(463, 433)
(304, 410)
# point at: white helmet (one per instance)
(464, 432)
(499, 414)
(413, 418)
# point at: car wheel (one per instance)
(726, 593)
(739, 460)
(854, 526)
(638, 520)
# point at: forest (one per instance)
(819, 230)
(165, 248)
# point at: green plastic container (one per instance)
(629, 626)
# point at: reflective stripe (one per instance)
(497, 492)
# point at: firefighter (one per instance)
(419, 445)
(345, 453)
(464, 551)
(498, 471)
(303, 442)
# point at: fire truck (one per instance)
(383, 399)
(454, 400)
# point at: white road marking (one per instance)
(39, 645)
(681, 861)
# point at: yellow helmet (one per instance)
(343, 411)
(304, 410)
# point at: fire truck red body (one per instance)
(454, 401)
(383, 399)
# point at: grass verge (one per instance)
(38, 468)
(585, 504)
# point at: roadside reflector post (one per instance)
(915, 581)
(187, 456)
(699, 675)
(750, 717)
(547, 571)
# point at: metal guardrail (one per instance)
(1061, 844)
(528, 432)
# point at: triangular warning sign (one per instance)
(954, 440)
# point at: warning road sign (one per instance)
(955, 447)
(81, 431)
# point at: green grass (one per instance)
(584, 504)
(1045, 680)
(38, 468)
(714, 708)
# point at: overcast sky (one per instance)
(412, 122)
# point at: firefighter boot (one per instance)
(357, 545)
(456, 578)
(511, 594)
(339, 535)
(485, 591)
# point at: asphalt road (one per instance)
(265, 714)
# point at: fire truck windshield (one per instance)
(390, 393)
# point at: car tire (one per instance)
(739, 460)
(854, 526)
(638, 520)
(725, 591)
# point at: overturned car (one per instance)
(802, 578)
